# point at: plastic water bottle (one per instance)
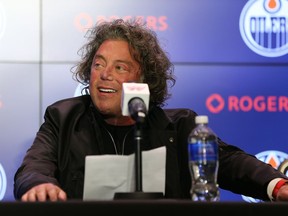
(203, 161)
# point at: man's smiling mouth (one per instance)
(107, 90)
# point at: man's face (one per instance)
(112, 65)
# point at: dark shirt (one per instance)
(73, 128)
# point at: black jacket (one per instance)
(73, 129)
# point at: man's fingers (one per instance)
(44, 192)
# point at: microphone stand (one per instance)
(138, 194)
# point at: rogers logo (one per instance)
(215, 103)
(136, 88)
(84, 21)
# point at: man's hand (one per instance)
(282, 194)
(45, 192)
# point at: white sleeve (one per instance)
(271, 187)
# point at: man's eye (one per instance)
(97, 65)
(121, 69)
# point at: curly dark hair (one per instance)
(157, 69)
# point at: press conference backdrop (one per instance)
(230, 58)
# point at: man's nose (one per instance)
(107, 73)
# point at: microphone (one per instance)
(135, 100)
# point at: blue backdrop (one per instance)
(230, 60)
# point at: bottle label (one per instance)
(202, 152)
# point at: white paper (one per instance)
(107, 174)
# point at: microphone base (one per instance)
(138, 195)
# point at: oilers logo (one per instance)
(277, 159)
(264, 27)
(3, 182)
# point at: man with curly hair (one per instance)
(92, 124)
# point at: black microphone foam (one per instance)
(137, 109)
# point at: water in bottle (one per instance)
(203, 161)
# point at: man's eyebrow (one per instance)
(128, 62)
(98, 56)
(125, 61)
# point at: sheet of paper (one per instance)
(107, 174)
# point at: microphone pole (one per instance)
(138, 152)
(138, 111)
